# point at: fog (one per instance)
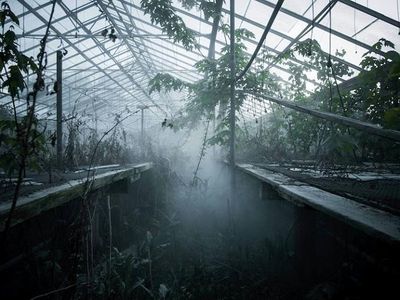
(256, 245)
(250, 235)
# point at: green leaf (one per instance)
(392, 118)
(164, 14)
(166, 82)
(395, 70)
(386, 43)
(13, 17)
(2, 18)
(16, 83)
(10, 40)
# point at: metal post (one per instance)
(142, 108)
(211, 53)
(232, 90)
(142, 128)
(142, 145)
(232, 199)
(59, 110)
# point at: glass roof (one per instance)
(105, 77)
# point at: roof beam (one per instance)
(272, 31)
(84, 28)
(41, 18)
(323, 27)
(246, 39)
(92, 35)
(217, 41)
(371, 12)
(369, 128)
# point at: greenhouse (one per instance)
(200, 149)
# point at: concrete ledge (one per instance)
(33, 204)
(372, 221)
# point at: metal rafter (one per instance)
(132, 23)
(78, 53)
(101, 46)
(281, 68)
(223, 44)
(92, 47)
(261, 26)
(371, 12)
(324, 28)
(138, 44)
(42, 19)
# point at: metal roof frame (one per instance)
(141, 53)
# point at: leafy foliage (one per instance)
(12, 147)
(212, 92)
(117, 282)
(14, 63)
(373, 97)
(207, 7)
(164, 14)
(379, 92)
(292, 134)
(19, 136)
(167, 83)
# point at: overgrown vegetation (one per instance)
(27, 145)
(284, 134)
(21, 136)
(212, 93)
(107, 267)
(307, 138)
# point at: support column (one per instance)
(232, 200)
(232, 116)
(142, 127)
(59, 110)
(211, 53)
(142, 144)
(142, 133)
